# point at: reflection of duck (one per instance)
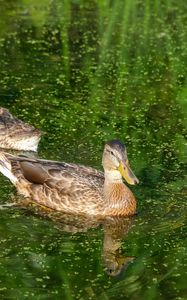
(115, 229)
(15, 134)
(74, 188)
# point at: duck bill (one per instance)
(127, 173)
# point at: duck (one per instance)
(17, 135)
(74, 188)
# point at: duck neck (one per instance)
(117, 194)
(112, 177)
(113, 187)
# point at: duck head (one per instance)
(115, 160)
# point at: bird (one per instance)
(74, 188)
(17, 135)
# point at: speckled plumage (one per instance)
(15, 134)
(73, 188)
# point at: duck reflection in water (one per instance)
(86, 194)
(115, 229)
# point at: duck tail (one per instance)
(6, 169)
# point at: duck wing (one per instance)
(55, 174)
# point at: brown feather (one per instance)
(15, 134)
(33, 172)
(72, 188)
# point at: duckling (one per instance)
(74, 188)
(17, 135)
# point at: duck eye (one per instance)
(112, 152)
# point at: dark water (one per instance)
(85, 72)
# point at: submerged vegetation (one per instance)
(114, 66)
(86, 72)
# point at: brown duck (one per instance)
(17, 135)
(73, 188)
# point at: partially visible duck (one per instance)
(17, 135)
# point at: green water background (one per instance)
(85, 72)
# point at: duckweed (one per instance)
(85, 72)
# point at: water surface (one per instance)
(86, 72)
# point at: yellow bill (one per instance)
(127, 173)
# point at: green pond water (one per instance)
(86, 72)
